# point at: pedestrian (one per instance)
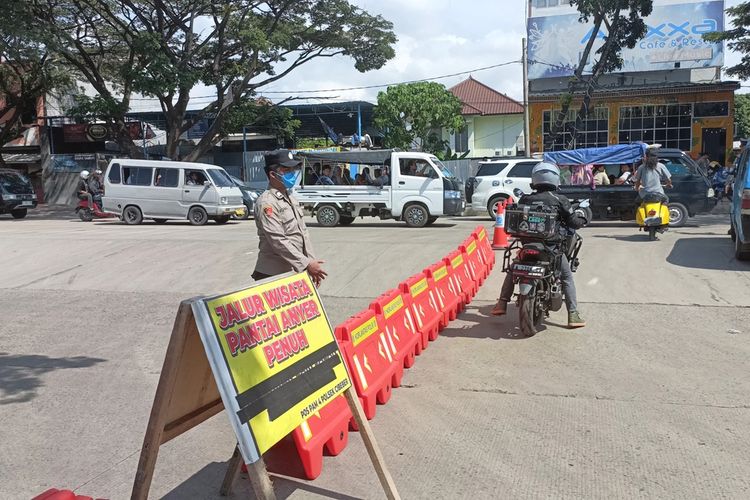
(284, 242)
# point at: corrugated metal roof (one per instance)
(479, 99)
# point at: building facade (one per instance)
(669, 91)
(494, 122)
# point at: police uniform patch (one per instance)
(268, 210)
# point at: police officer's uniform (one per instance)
(284, 240)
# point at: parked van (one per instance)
(16, 193)
(162, 190)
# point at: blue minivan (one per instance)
(740, 213)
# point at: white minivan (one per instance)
(161, 190)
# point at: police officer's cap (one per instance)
(280, 158)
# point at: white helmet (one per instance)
(84, 174)
(545, 174)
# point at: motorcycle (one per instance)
(87, 213)
(536, 266)
(652, 215)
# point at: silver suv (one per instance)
(496, 180)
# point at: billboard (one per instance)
(557, 38)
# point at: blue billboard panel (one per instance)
(557, 40)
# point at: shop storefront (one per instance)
(690, 117)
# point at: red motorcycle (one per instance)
(87, 214)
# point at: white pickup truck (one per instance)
(420, 188)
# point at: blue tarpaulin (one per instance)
(609, 155)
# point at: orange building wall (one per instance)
(537, 109)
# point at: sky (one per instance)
(435, 37)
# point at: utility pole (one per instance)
(526, 131)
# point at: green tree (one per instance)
(742, 114)
(738, 39)
(414, 114)
(165, 49)
(27, 72)
(261, 116)
(622, 20)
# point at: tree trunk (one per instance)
(567, 98)
(125, 142)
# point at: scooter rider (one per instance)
(95, 186)
(83, 191)
(545, 179)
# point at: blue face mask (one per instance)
(289, 179)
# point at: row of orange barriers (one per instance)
(379, 342)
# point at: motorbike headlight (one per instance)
(224, 200)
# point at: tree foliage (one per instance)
(261, 116)
(623, 22)
(413, 114)
(164, 49)
(742, 114)
(738, 39)
(27, 72)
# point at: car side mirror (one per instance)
(206, 183)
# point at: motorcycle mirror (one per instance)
(584, 204)
(518, 192)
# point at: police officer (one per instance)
(284, 241)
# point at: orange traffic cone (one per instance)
(500, 237)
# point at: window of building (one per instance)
(166, 177)
(669, 125)
(461, 144)
(708, 109)
(137, 176)
(546, 3)
(594, 131)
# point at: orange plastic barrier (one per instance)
(462, 275)
(477, 269)
(426, 308)
(370, 354)
(485, 248)
(55, 494)
(329, 429)
(395, 307)
(448, 295)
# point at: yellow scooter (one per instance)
(652, 216)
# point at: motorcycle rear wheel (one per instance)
(526, 312)
(85, 215)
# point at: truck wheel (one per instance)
(678, 214)
(415, 215)
(346, 220)
(18, 213)
(132, 215)
(328, 216)
(431, 221)
(197, 216)
(492, 205)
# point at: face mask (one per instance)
(289, 179)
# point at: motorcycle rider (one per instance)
(95, 187)
(650, 176)
(545, 179)
(83, 191)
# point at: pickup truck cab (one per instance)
(690, 195)
(419, 189)
(16, 193)
(496, 180)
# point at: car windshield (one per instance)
(220, 177)
(13, 183)
(445, 170)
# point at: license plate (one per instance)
(27, 204)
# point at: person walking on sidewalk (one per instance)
(284, 242)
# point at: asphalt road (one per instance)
(650, 400)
